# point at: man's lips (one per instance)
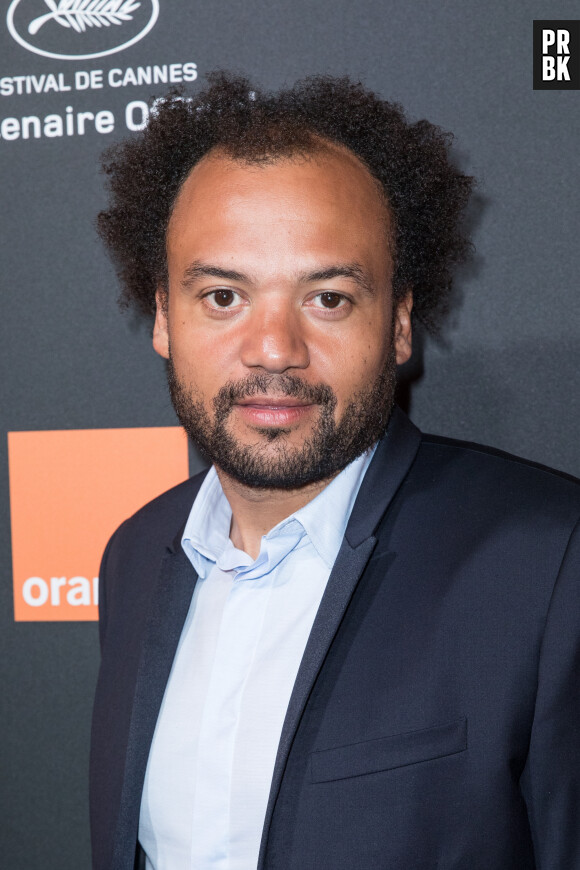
(273, 402)
(273, 411)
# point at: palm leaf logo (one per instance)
(80, 14)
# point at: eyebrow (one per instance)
(198, 269)
(348, 270)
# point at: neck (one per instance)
(256, 511)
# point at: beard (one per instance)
(274, 463)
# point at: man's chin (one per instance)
(270, 434)
(259, 437)
(272, 476)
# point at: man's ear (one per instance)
(160, 328)
(403, 330)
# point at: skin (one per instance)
(246, 248)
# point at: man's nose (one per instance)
(274, 340)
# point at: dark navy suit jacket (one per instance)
(435, 719)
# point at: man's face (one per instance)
(280, 325)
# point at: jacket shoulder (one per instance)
(478, 451)
(135, 551)
(160, 520)
(508, 480)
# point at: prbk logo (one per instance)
(80, 29)
(557, 55)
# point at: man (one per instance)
(347, 645)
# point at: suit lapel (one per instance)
(389, 466)
(169, 606)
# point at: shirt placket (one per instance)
(239, 634)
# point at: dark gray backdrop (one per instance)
(505, 372)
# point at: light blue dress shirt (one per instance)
(212, 757)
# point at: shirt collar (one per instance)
(324, 519)
(206, 537)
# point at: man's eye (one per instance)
(222, 298)
(330, 300)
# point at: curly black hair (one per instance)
(425, 192)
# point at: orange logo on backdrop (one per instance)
(69, 490)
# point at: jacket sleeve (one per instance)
(551, 778)
(103, 594)
(105, 581)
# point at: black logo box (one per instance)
(573, 63)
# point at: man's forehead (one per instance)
(321, 155)
(288, 222)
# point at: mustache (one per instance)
(280, 385)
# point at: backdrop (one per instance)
(82, 390)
